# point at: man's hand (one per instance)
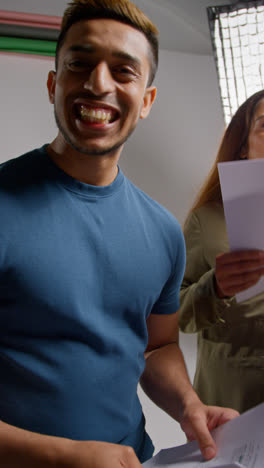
(197, 422)
(238, 270)
(93, 454)
(165, 380)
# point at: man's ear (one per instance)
(149, 98)
(51, 83)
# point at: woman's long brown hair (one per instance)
(233, 145)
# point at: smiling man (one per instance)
(99, 91)
(91, 266)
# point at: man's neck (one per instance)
(90, 169)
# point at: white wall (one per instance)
(25, 113)
(168, 155)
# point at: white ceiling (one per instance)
(183, 24)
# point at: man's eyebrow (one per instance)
(81, 48)
(118, 53)
(128, 57)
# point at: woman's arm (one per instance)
(200, 305)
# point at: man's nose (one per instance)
(100, 80)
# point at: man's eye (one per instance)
(125, 70)
(78, 65)
(124, 73)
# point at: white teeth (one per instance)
(93, 115)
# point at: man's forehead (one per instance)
(91, 33)
(90, 49)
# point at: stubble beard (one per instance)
(90, 152)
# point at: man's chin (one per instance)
(92, 150)
(88, 147)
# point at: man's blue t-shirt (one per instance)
(81, 269)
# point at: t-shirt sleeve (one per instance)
(169, 301)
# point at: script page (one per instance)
(243, 197)
(240, 444)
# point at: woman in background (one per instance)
(230, 355)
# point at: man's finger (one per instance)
(206, 442)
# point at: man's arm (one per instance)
(24, 449)
(166, 382)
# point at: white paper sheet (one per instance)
(242, 185)
(240, 444)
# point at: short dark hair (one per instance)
(120, 10)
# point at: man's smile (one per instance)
(98, 114)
